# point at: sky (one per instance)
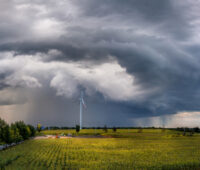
(138, 62)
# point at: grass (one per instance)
(149, 149)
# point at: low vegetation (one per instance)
(115, 148)
(122, 149)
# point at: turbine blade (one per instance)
(83, 103)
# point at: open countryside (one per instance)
(99, 85)
(97, 149)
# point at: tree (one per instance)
(3, 125)
(77, 128)
(196, 129)
(23, 129)
(39, 127)
(28, 131)
(32, 129)
(105, 129)
(6, 134)
(17, 136)
(16, 132)
(11, 135)
(114, 129)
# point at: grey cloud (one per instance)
(153, 40)
(166, 16)
(10, 96)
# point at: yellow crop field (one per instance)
(151, 149)
(121, 132)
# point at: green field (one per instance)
(124, 149)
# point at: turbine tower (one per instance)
(82, 103)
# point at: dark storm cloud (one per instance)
(154, 40)
(61, 111)
(166, 15)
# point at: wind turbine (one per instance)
(82, 103)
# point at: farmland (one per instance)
(124, 149)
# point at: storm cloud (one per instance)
(134, 60)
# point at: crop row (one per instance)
(106, 153)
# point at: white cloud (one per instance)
(110, 79)
(180, 119)
(65, 85)
(47, 28)
(22, 80)
(189, 119)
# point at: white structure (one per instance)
(82, 103)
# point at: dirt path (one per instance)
(66, 137)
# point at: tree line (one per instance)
(15, 132)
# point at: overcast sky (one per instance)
(137, 61)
